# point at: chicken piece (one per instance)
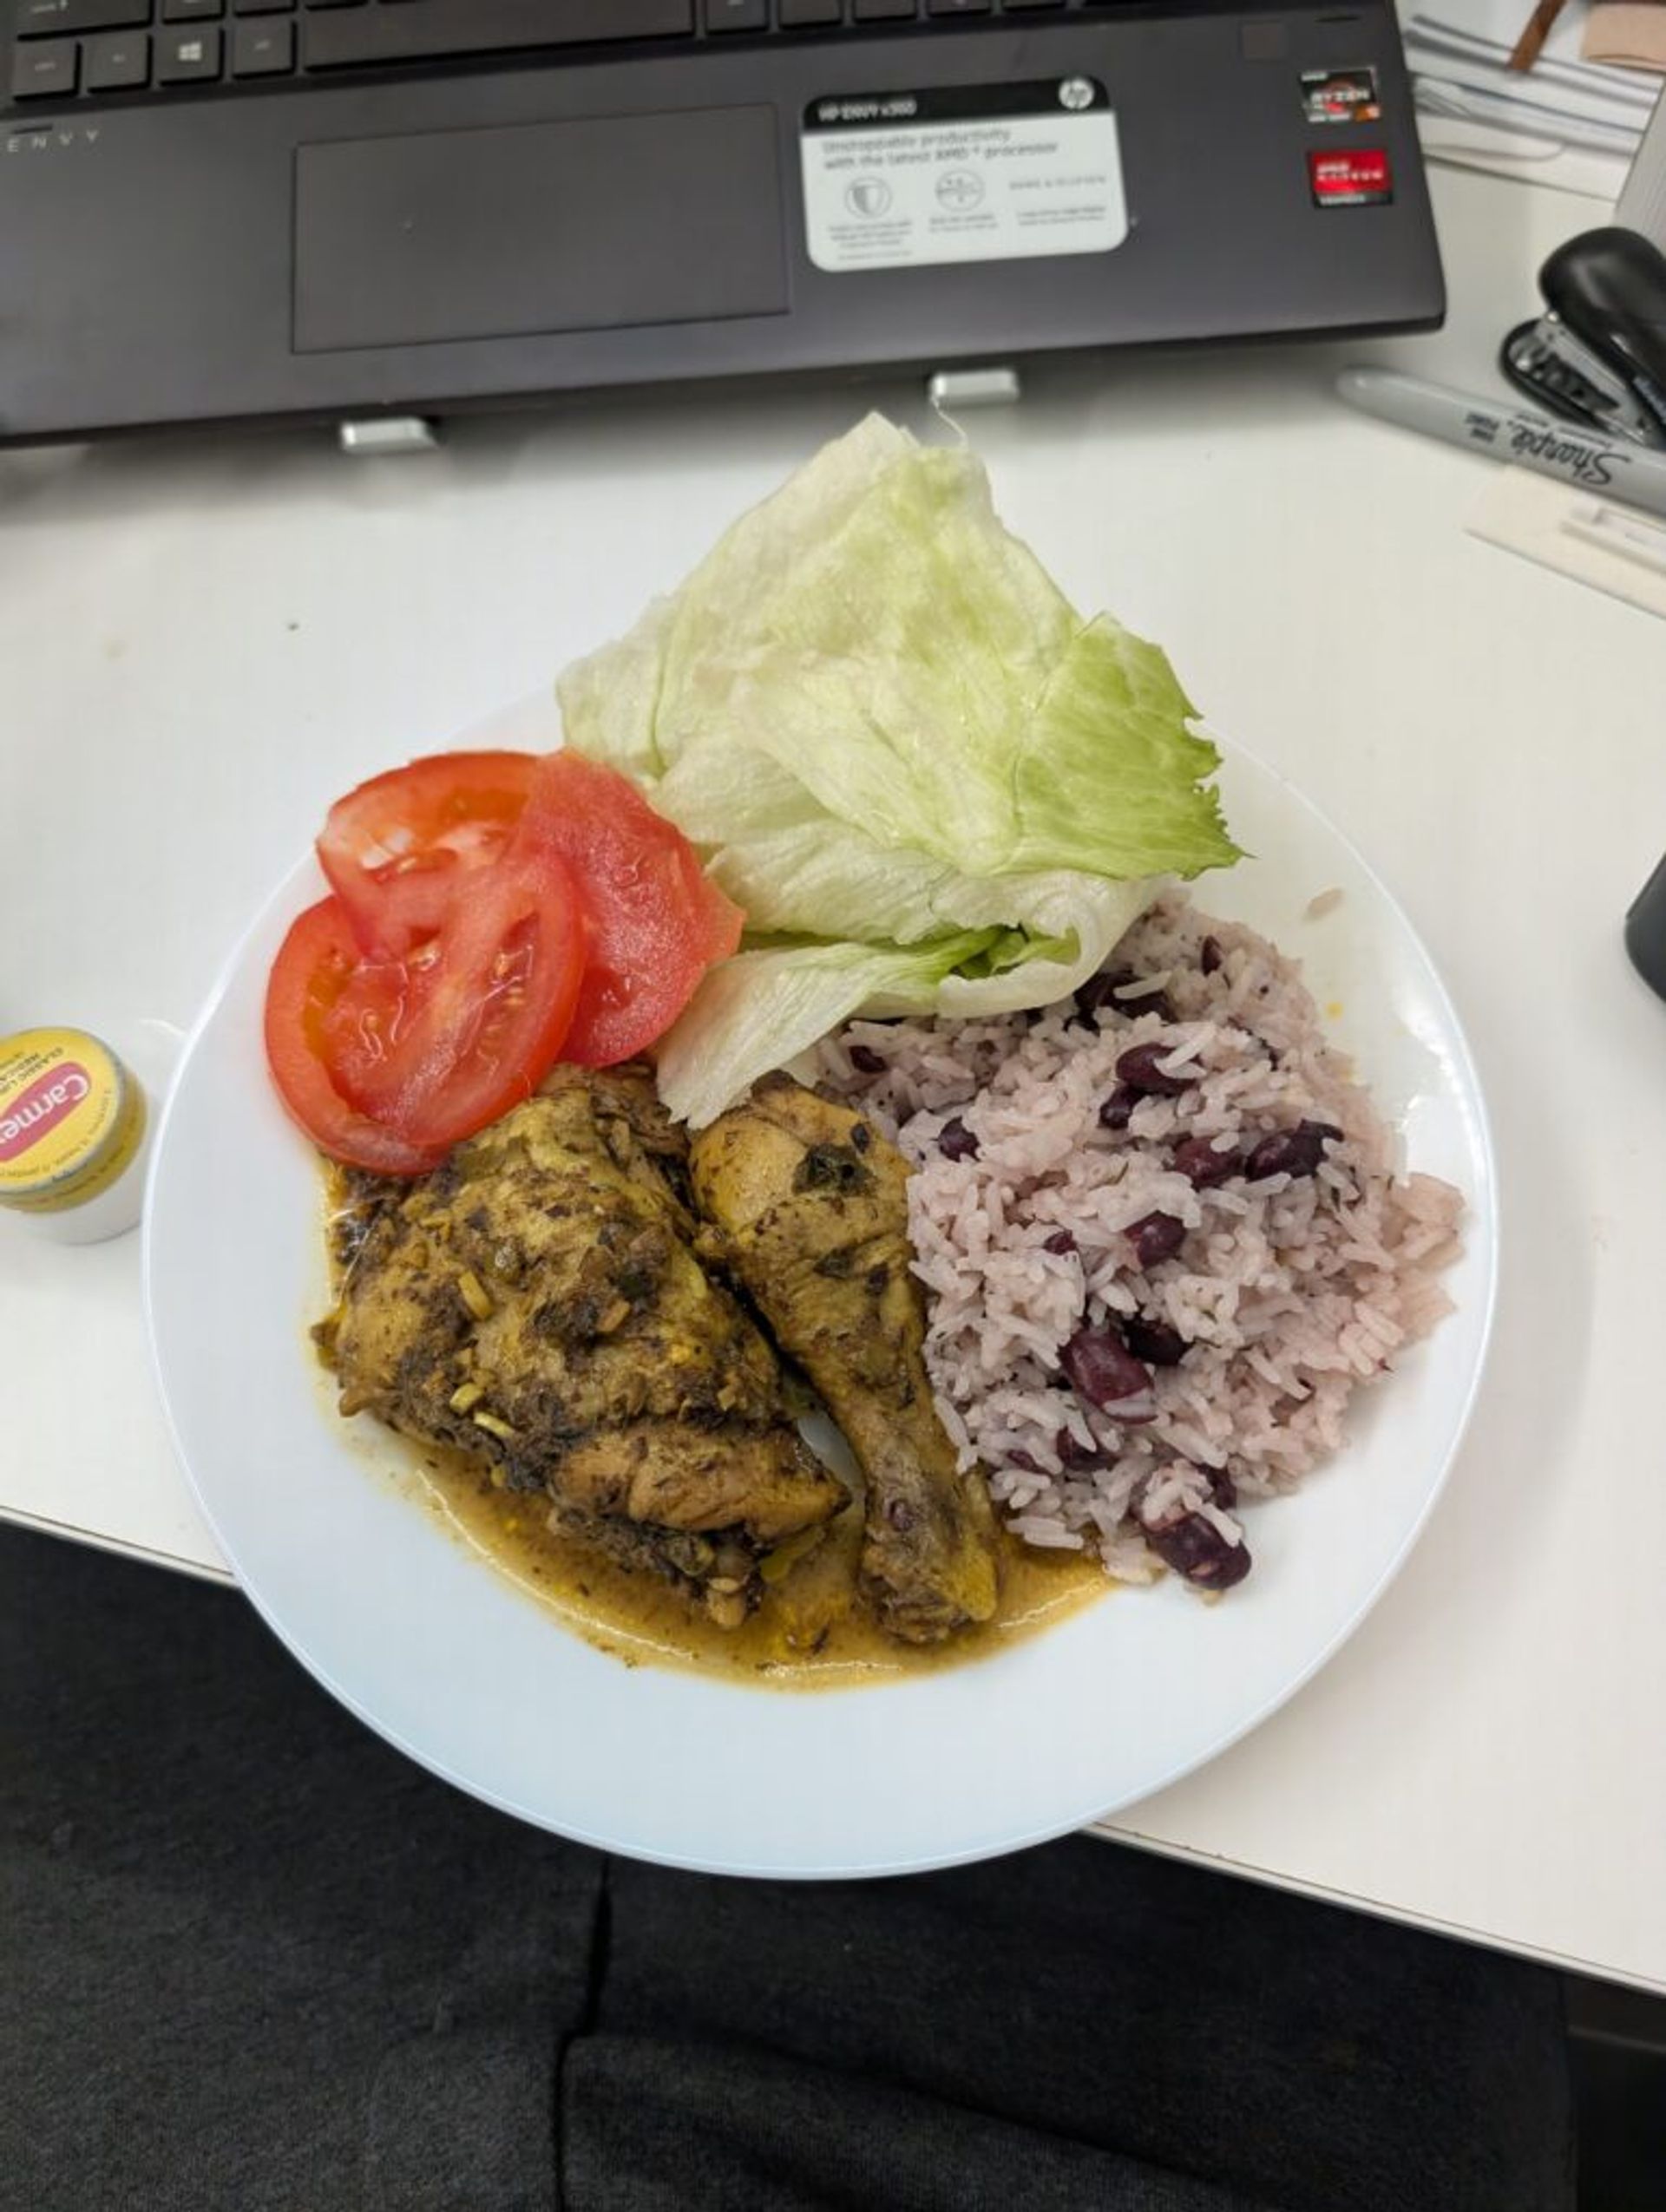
(812, 1205)
(722, 1571)
(535, 1303)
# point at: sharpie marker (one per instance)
(1581, 458)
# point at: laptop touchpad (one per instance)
(577, 225)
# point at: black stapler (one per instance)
(1598, 354)
(1645, 931)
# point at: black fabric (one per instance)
(686, 2125)
(252, 1958)
(1309, 2056)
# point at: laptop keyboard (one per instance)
(99, 50)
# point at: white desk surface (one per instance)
(203, 643)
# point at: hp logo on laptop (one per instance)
(1074, 93)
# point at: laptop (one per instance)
(354, 210)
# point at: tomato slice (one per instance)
(490, 913)
(470, 1022)
(657, 920)
(393, 847)
(316, 962)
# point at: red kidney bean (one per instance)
(1072, 1452)
(1202, 1165)
(1154, 1237)
(1194, 1548)
(1137, 1068)
(1099, 991)
(1114, 1113)
(1209, 955)
(1060, 1241)
(956, 1141)
(1291, 1152)
(1025, 1460)
(1102, 1369)
(866, 1061)
(1154, 1342)
(1223, 1490)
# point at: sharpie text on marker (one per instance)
(1631, 473)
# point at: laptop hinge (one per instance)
(378, 433)
(953, 388)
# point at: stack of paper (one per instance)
(1566, 121)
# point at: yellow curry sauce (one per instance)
(810, 1632)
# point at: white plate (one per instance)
(445, 1656)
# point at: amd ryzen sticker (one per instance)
(1340, 96)
(973, 172)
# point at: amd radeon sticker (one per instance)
(1359, 177)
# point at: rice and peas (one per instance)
(1161, 1239)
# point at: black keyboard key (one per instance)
(886, 12)
(262, 49)
(332, 3)
(810, 14)
(120, 62)
(49, 18)
(188, 56)
(46, 71)
(423, 31)
(736, 14)
(958, 7)
(263, 7)
(192, 11)
(1029, 7)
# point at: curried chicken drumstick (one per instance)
(535, 1303)
(813, 1205)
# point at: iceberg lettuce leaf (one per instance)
(895, 742)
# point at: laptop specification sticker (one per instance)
(971, 172)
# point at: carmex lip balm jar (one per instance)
(73, 1125)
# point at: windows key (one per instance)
(187, 56)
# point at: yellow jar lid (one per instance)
(71, 1119)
